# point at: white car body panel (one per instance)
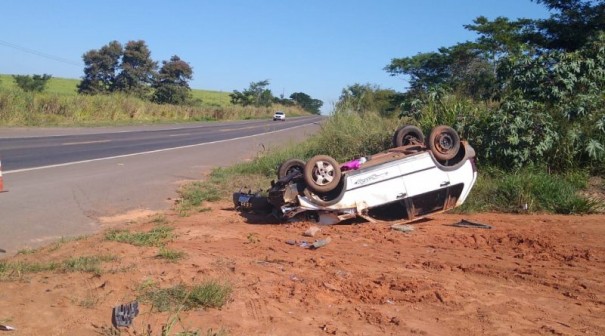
(396, 180)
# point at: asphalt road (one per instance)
(67, 182)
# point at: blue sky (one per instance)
(315, 46)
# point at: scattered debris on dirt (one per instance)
(6, 327)
(468, 224)
(405, 228)
(123, 314)
(312, 231)
(528, 275)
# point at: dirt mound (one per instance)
(528, 275)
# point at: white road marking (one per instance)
(148, 152)
(175, 135)
(84, 142)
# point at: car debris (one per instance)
(473, 225)
(413, 179)
(312, 231)
(5, 327)
(314, 245)
(320, 243)
(123, 314)
(402, 227)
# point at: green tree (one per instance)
(464, 68)
(536, 87)
(306, 102)
(100, 69)
(283, 101)
(35, 83)
(256, 94)
(172, 82)
(424, 70)
(501, 37)
(569, 86)
(137, 70)
(363, 98)
(573, 24)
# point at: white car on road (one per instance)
(279, 115)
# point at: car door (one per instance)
(426, 185)
(421, 175)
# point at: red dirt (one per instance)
(528, 275)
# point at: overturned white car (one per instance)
(407, 182)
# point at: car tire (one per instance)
(444, 143)
(290, 166)
(408, 135)
(322, 173)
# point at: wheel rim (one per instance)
(444, 143)
(323, 173)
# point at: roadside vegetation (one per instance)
(60, 105)
(19, 269)
(526, 94)
(209, 294)
(498, 188)
(122, 84)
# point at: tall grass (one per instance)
(540, 191)
(18, 108)
(61, 105)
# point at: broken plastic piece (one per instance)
(353, 164)
(312, 231)
(124, 314)
(6, 327)
(467, 224)
(321, 242)
(402, 227)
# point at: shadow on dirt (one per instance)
(253, 218)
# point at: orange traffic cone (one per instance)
(1, 180)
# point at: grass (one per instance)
(209, 294)
(194, 194)
(154, 237)
(61, 105)
(159, 220)
(55, 85)
(170, 255)
(88, 264)
(53, 247)
(69, 87)
(501, 191)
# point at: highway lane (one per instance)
(73, 182)
(34, 151)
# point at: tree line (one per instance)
(129, 69)
(526, 92)
(257, 94)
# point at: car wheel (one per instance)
(408, 135)
(322, 173)
(289, 166)
(444, 142)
